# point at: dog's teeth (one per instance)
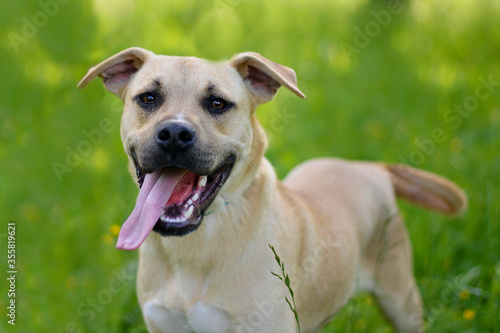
(189, 212)
(190, 202)
(203, 181)
(196, 196)
(175, 220)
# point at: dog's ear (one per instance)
(264, 77)
(117, 70)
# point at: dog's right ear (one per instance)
(263, 77)
(117, 70)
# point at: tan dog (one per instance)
(215, 204)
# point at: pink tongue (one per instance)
(154, 194)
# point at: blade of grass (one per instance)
(285, 278)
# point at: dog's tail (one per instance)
(427, 189)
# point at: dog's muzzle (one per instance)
(177, 188)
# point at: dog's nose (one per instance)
(175, 136)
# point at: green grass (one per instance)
(283, 276)
(373, 105)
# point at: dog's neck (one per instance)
(225, 231)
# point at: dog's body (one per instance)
(334, 223)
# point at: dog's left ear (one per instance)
(264, 77)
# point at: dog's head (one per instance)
(188, 126)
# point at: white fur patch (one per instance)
(162, 320)
(364, 281)
(207, 319)
(200, 318)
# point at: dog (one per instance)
(210, 205)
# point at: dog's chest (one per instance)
(179, 303)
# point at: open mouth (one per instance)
(190, 199)
(172, 202)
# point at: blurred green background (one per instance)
(381, 79)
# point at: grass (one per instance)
(283, 276)
(385, 102)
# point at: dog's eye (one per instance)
(147, 98)
(218, 104)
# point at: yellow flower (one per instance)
(469, 314)
(360, 325)
(457, 145)
(72, 283)
(114, 229)
(369, 300)
(464, 294)
(107, 239)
